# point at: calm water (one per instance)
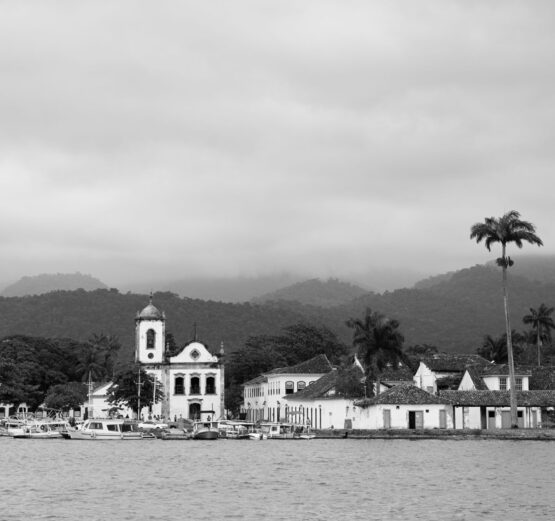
(272, 479)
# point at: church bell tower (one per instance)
(150, 335)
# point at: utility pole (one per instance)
(139, 383)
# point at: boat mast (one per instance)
(90, 392)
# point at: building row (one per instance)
(446, 391)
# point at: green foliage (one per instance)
(297, 343)
(350, 383)
(64, 397)
(29, 366)
(125, 388)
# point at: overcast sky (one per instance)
(144, 139)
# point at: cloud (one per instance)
(250, 137)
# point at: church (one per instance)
(192, 381)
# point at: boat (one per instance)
(107, 429)
(286, 431)
(205, 430)
(239, 430)
(43, 430)
(11, 426)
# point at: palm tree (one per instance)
(379, 343)
(507, 229)
(494, 349)
(542, 324)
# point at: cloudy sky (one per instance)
(142, 139)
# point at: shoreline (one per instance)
(444, 434)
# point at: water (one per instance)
(277, 480)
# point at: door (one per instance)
(416, 420)
(491, 420)
(520, 419)
(505, 419)
(194, 411)
(442, 420)
(534, 418)
(387, 419)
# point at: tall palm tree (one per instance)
(378, 342)
(542, 324)
(504, 230)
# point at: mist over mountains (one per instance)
(452, 311)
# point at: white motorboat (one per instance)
(106, 429)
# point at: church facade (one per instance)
(192, 381)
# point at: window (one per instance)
(301, 386)
(502, 383)
(150, 338)
(195, 385)
(210, 385)
(289, 387)
(112, 427)
(179, 385)
(518, 384)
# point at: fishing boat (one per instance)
(107, 429)
(286, 431)
(206, 430)
(43, 430)
(239, 430)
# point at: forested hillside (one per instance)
(454, 314)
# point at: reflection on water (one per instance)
(273, 479)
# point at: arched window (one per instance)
(210, 385)
(150, 338)
(289, 387)
(301, 386)
(195, 385)
(179, 385)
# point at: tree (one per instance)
(91, 363)
(125, 388)
(64, 397)
(542, 324)
(494, 349)
(505, 230)
(379, 343)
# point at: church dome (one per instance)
(150, 312)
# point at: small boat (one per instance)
(107, 429)
(239, 430)
(43, 430)
(286, 431)
(206, 430)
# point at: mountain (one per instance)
(315, 292)
(220, 289)
(454, 314)
(39, 284)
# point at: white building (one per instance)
(263, 396)
(192, 381)
(404, 407)
(321, 406)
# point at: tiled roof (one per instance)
(503, 370)
(402, 395)
(499, 398)
(318, 389)
(396, 374)
(474, 374)
(452, 362)
(255, 381)
(316, 365)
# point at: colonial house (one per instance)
(404, 406)
(444, 370)
(491, 409)
(263, 395)
(192, 381)
(321, 406)
(482, 399)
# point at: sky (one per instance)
(143, 140)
